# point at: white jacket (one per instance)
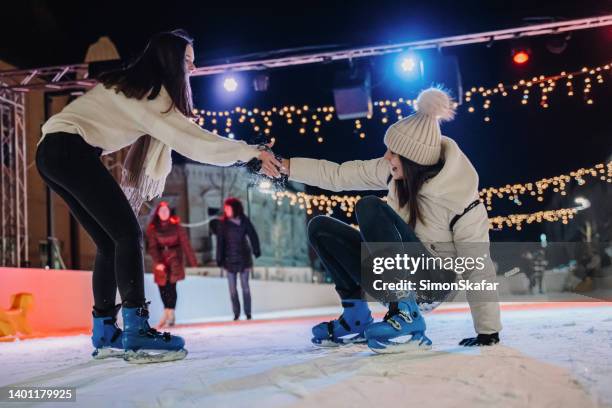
(441, 198)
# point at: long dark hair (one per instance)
(162, 63)
(236, 205)
(409, 186)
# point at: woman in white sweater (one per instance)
(147, 105)
(432, 202)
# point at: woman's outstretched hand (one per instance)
(270, 166)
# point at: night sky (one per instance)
(521, 143)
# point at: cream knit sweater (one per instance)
(108, 120)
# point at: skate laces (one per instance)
(391, 317)
(148, 330)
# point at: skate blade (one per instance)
(395, 348)
(102, 353)
(332, 344)
(148, 357)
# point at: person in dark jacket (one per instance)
(234, 254)
(168, 245)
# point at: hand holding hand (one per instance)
(269, 164)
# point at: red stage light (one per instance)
(520, 57)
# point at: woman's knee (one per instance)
(317, 225)
(105, 247)
(368, 205)
(132, 236)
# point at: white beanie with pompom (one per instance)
(418, 137)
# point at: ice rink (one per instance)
(551, 357)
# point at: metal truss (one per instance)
(13, 180)
(75, 76)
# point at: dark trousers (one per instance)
(168, 295)
(72, 168)
(338, 245)
(232, 278)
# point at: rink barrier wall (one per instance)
(62, 299)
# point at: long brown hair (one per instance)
(162, 63)
(409, 186)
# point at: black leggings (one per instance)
(168, 295)
(338, 245)
(72, 168)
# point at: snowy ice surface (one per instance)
(549, 358)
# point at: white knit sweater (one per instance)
(108, 120)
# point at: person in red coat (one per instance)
(168, 245)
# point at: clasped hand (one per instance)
(270, 165)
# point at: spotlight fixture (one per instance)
(556, 44)
(261, 82)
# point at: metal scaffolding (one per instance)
(75, 76)
(13, 180)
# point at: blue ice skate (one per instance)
(347, 329)
(144, 344)
(402, 329)
(106, 336)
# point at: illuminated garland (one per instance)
(517, 220)
(326, 204)
(346, 203)
(546, 85)
(558, 184)
(312, 120)
(320, 202)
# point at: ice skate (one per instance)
(402, 330)
(347, 329)
(144, 344)
(106, 336)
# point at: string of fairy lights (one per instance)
(558, 184)
(517, 220)
(322, 203)
(306, 120)
(545, 85)
(327, 204)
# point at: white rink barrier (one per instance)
(203, 298)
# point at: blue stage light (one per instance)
(408, 64)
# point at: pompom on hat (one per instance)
(418, 137)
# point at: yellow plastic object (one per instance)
(14, 320)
